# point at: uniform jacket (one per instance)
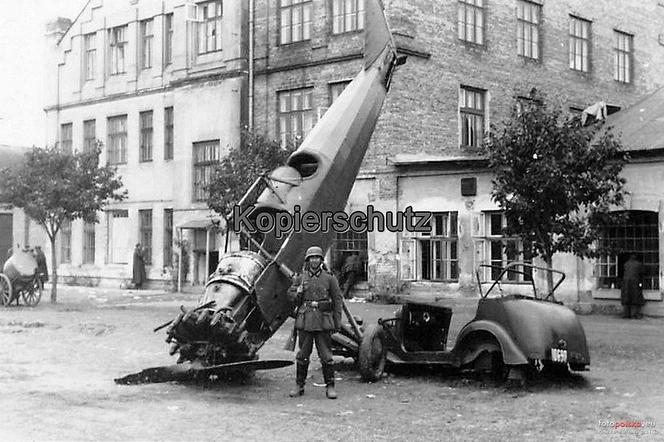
(317, 286)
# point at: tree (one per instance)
(52, 186)
(254, 156)
(556, 181)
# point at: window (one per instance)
(296, 115)
(336, 89)
(117, 41)
(168, 237)
(89, 55)
(88, 243)
(206, 155)
(145, 233)
(500, 250)
(471, 112)
(66, 137)
(622, 62)
(528, 19)
(119, 241)
(295, 20)
(432, 256)
(168, 133)
(471, 21)
(209, 28)
(638, 234)
(146, 43)
(168, 39)
(579, 44)
(89, 135)
(348, 244)
(117, 140)
(145, 145)
(347, 15)
(65, 242)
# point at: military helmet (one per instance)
(314, 251)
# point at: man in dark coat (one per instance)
(318, 297)
(351, 271)
(631, 291)
(42, 267)
(138, 268)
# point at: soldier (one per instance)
(317, 295)
(631, 290)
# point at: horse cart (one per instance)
(20, 279)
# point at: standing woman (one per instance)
(138, 268)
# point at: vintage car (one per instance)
(511, 334)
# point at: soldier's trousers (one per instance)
(306, 340)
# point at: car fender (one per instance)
(512, 354)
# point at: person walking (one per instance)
(138, 267)
(631, 290)
(318, 298)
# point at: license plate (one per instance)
(558, 355)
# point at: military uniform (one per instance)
(319, 299)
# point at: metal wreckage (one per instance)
(246, 301)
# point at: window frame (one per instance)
(622, 72)
(295, 124)
(207, 23)
(117, 41)
(580, 62)
(168, 39)
(89, 55)
(146, 134)
(168, 238)
(67, 137)
(145, 227)
(529, 20)
(506, 243)
(116, 154)
(146, 47)
(477, 8)
(89, 243)
(203, 166)
(472, 111)
(344, 21)
(65, 241)
(288, 8)
(89, 142)
(169, 133)
(607, 265)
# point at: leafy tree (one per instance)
(255, 156)
(556, 180)
(52, 186)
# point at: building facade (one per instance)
(161, 85)
(277, 65)
(468, 60)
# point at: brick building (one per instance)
(467, 61)
(284, 61)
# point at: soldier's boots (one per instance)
(328, 374)
(300, 379)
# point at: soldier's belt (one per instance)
(324, 306)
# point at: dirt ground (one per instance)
(58, 362)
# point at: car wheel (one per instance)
(489, 364)
(372, 353)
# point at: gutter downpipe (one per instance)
(250, 122)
